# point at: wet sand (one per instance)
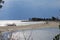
(32, 26)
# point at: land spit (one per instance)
(32, 26)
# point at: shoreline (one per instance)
(32, 26)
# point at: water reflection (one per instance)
(35, 34)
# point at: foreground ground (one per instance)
(32, 26)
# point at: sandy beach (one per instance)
(32, 26)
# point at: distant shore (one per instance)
(32, 26)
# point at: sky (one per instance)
(25, 9)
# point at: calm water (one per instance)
(35, 34)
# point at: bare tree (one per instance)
(26, 37)
(10, 36)
(1, 36)
(29, 36)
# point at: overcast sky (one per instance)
(24, 9)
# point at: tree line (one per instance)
(44, 19)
